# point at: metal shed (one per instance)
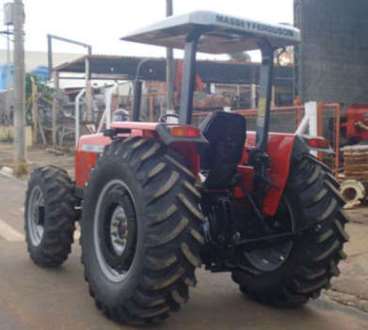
(104, 67)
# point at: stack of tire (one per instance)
(354, 188)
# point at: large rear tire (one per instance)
(49, 216)
(315, 203)
(145, 192)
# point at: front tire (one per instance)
(312, 193)
(138, 187)
(49, 216)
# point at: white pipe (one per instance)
(311, 110)
(101, 122)
(77, 115)
(310, 120)
(107, 113)
(109, 92)
(253, 96)
(303, 126)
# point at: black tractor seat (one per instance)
(226, 134)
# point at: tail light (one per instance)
(184, 131)
(318, 143)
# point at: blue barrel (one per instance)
(6, 76)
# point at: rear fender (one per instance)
(186, 145)
(90, 147)
(280, 149)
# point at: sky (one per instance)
(102, 23)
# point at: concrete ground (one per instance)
(351, 288)
(34, 298)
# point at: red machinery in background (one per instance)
(356, 125)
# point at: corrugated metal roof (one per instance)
(209, 71)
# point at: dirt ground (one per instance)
(38, 156)
(350, 288)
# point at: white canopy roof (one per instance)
(221, 33)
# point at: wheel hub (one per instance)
(36, 215)
(115, 230)
(119, 230)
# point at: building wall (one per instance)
(35, 59)
(333, 57)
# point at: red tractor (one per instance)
(155, 201)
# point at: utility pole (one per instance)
(19, 88)
(8, 57)
(170, 65)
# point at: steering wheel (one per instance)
(163, 118)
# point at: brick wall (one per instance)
(333, 57)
